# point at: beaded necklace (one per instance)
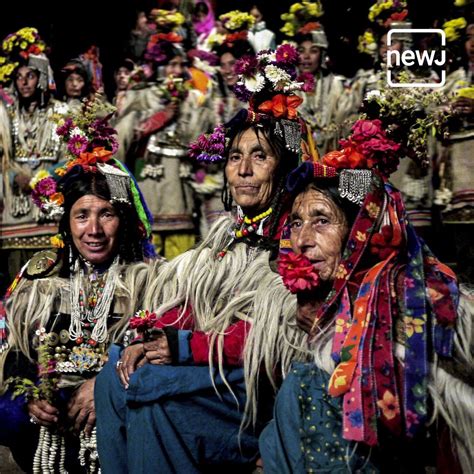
(245, 226)
(93, 315)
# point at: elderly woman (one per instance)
(182, 409)
(381, 313)
(71, 303)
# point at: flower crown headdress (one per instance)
(25, 44)
(385, 13)
(302, 18)
(91, 144)
(268, 82)
(236, 21)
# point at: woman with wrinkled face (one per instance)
(211, 323)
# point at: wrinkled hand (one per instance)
(81, 408)
(44, 412)
(132, 356)
(157, 352)
(306, 311)
(23, 182)
(464, 106)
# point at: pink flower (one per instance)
(46, 187)
(65, 128)
(308, 81)
(77, 144)
(287, 54)
(297, 272)
(246, 65)
(365, 129)
(143, 320)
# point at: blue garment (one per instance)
(305, 434)
(170, 420)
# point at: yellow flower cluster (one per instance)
(378, 8)
(6, 70)
(452, 28)
(367, 43)
(169, 19)
(22, 39)
(237, 20)
(57, 241)
(467, 92)
(300, 14)
(460, 3)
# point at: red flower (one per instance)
(382, 244)
(309, 27)
(143, 320)
(297, 272)
(365, 129)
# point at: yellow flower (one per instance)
(361, 236)
(372, 209)
(452, 27)
(60, 171)
(23, 45)
(38, 177)
(467, 92)
(460, 3)
(57, 241)
(389, 405)
(413, 325)
(339, 381)
(296, 7)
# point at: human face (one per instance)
(227, 63)
(94, 224)
(469, 44)
(310, 57)
(318, 230)
(256, 13)
(26, 81)
(74, 85)
(383, 47)
(251, 170)
(175, 67)
(122, 77)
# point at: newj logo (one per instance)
(410, 57)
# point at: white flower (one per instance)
(373, 95)
(277, 76)
(267, 57)
(52, 209)
(255, 83)
(77, 131)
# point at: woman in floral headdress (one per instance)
(69, 304)
(209, 352)
(28, 143)
(392, 349)
(160, 117)
(325, 104)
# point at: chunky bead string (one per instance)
(246, 226)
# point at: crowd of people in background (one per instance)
(230, 148)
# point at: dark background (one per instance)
(69, 28)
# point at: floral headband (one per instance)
(91, 143)
(268, 81)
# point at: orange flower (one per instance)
(98, 155)
(281, 106)
(60, 171)
(389, 405)
(309, 27)
(348, 157)
(57, 198)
